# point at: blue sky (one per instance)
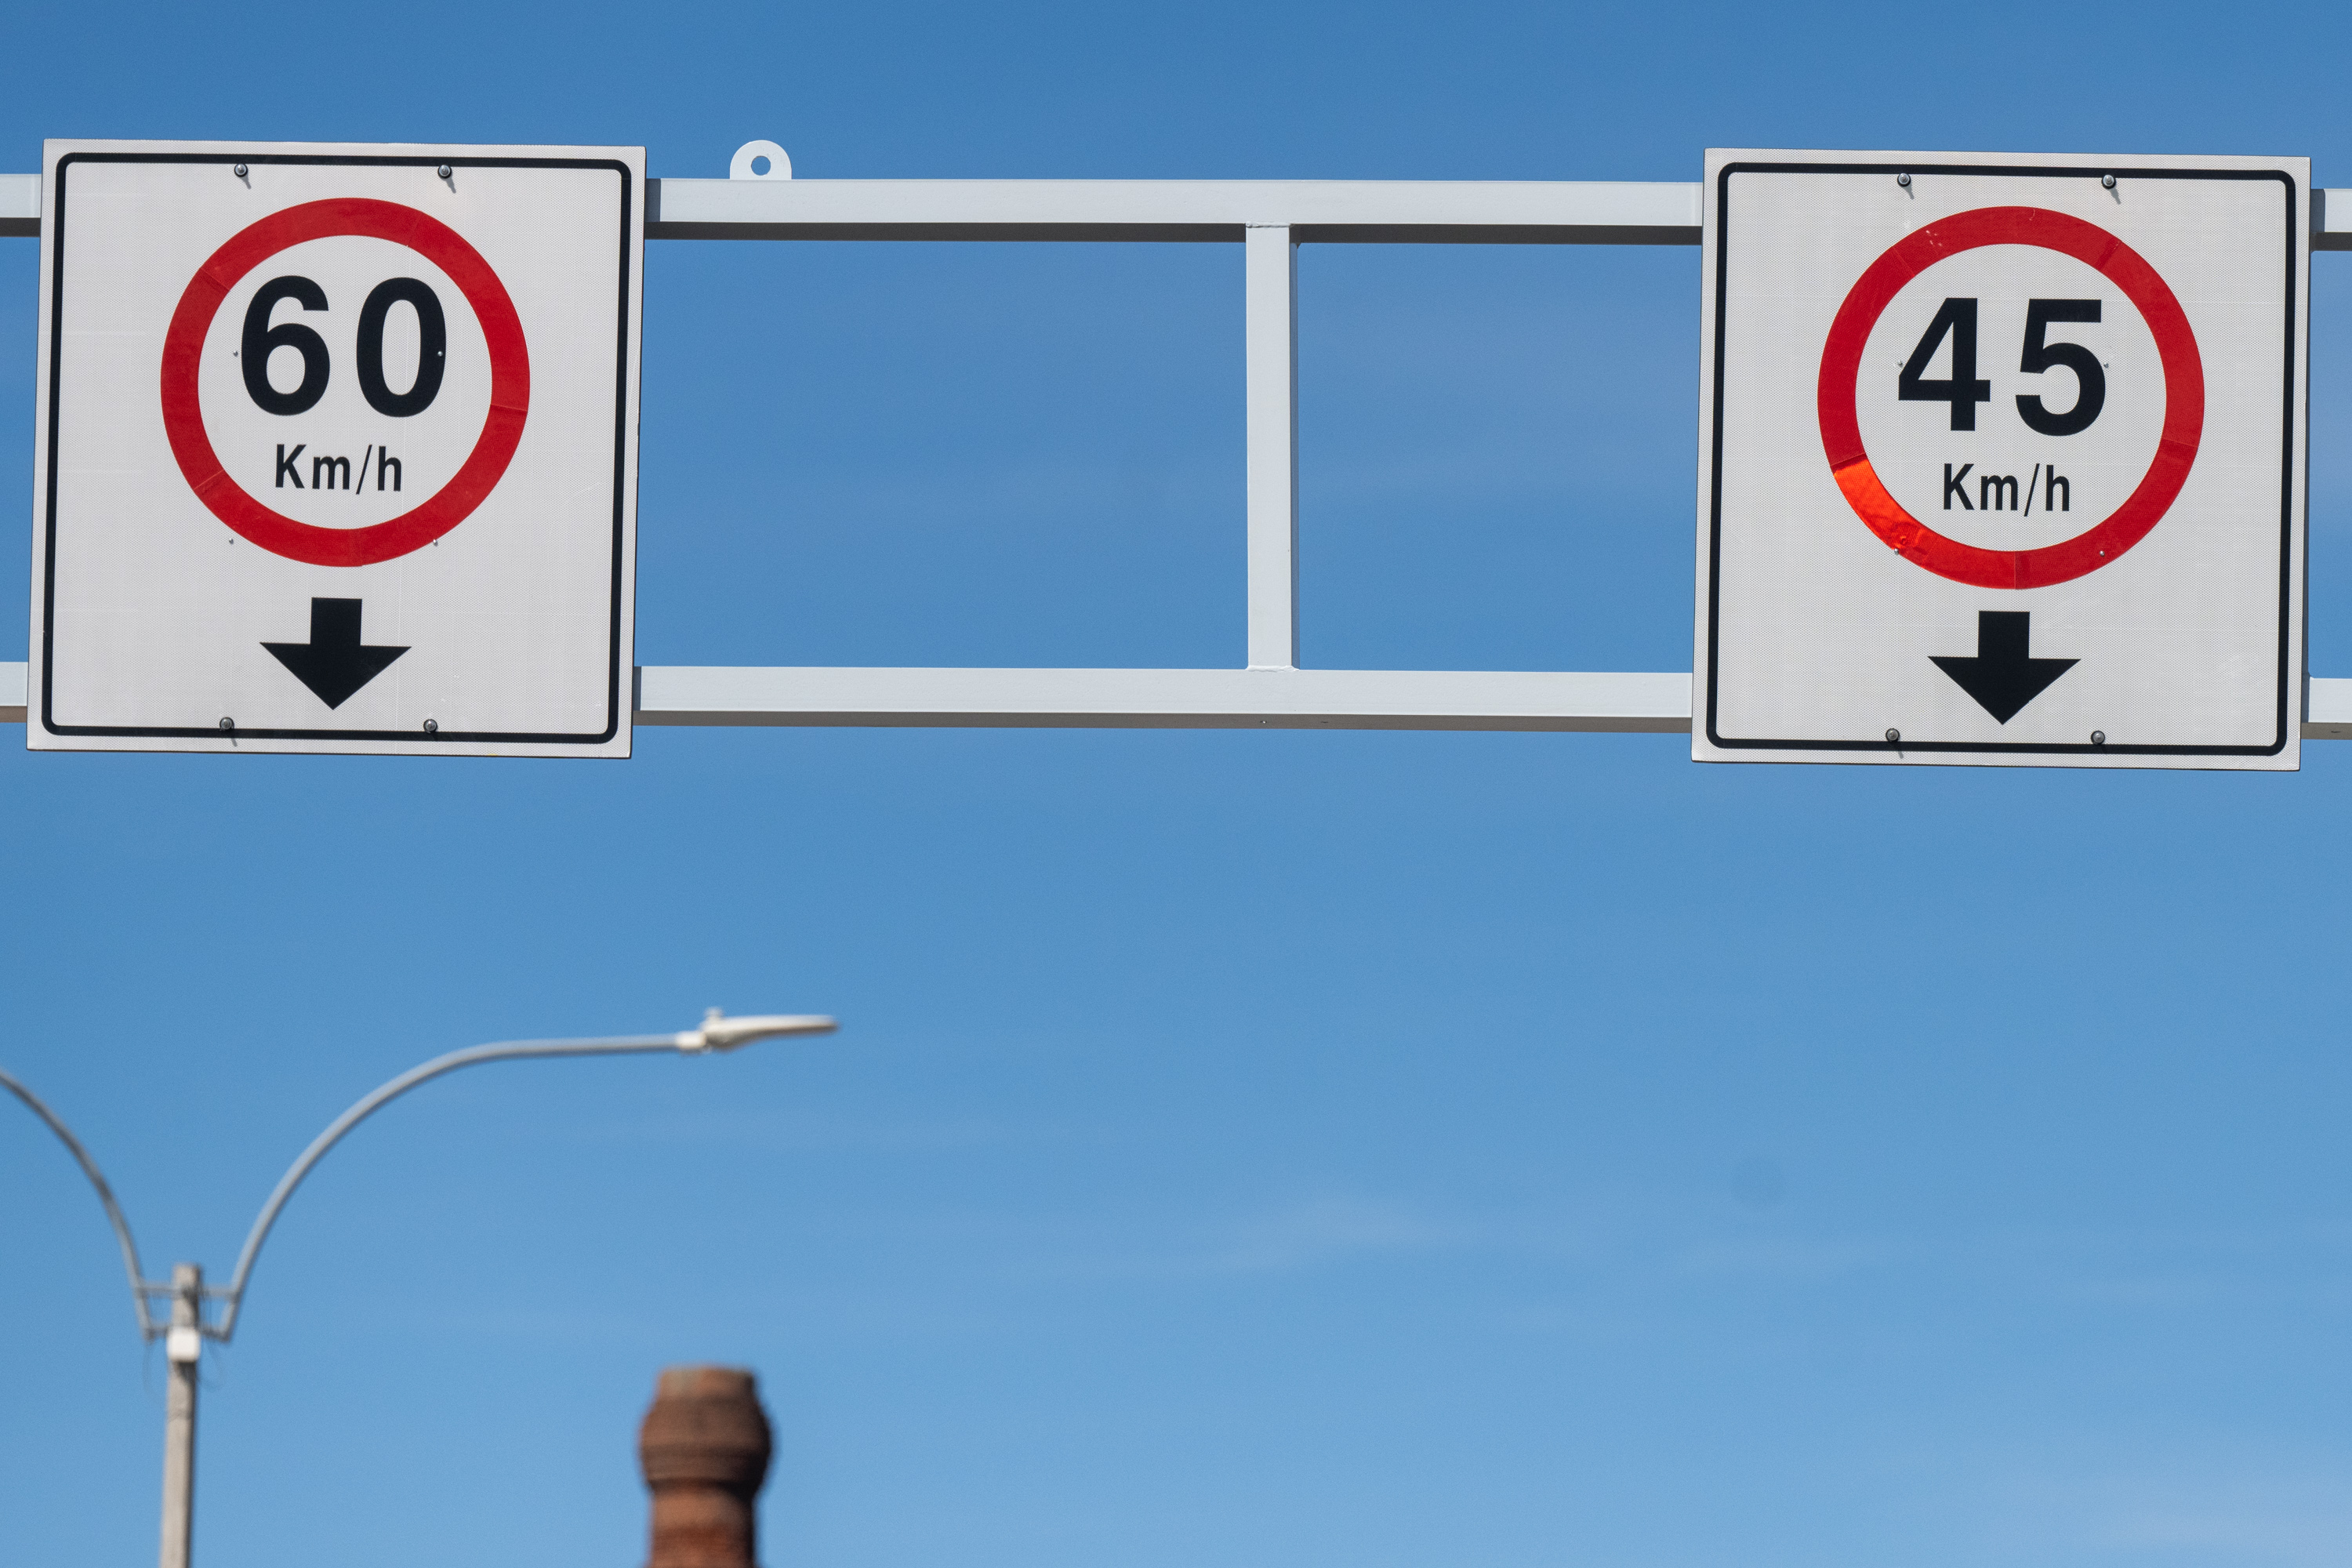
(1250, 1149)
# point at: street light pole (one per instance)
(181, 1343)
(185, 1331)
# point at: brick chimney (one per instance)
(704, 1446)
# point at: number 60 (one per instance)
(262, 340)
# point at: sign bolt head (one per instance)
(432, 726)
(2108, 181)
(1904, 181)
(445, 171)
(239, 171)
(227, 724)
(2098, 737)
(1893, 737)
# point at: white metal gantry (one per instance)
(1269, 219)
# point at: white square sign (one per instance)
(2001, 459)
(338, 448)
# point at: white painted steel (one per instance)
(780, 166)
(1270, 263)
(754, 695)
(2331, 220)
(2328, 710)
(1561, 211)
(1165, 699)
(1555, 212)
(20, 205)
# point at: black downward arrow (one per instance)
(2001, 677)
(334, 664)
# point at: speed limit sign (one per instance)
(338, 448)
(2003, 460)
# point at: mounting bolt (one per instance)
(432, 726)
(2108, 181)
(1893, 737)
(238, 170)
(2098, 737)
(445, 171)
(1904, 181)
(227, 724)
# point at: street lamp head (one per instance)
(720, 1033)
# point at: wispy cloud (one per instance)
(795, 1133)
(1324, 1230)
(2221, 1501)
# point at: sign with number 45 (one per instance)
(2002, 459)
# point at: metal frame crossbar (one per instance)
(1269, 219)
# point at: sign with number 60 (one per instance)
(342, 448)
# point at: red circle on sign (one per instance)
(183, 420)
(2176, 446)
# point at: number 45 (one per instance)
(1963, 390)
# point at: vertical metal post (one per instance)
(1271, 326)
(183, 1344)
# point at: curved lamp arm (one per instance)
(717, 1034)
(139, 1287)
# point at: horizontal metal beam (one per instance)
(1489, 212)
(890, 698)
(1215, 698)
(20, 205)
(2331, 219)
(1473, 212)
(2328, 710)
(1428, 212)
(1163, 698)
(1553, 212)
